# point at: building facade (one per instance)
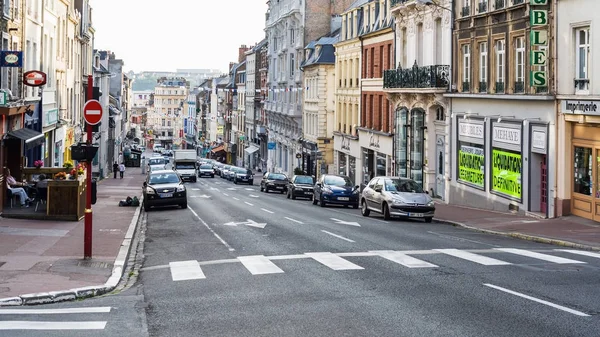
(503, 106)
(376, 129)
(578, 94)
(253, 105)
(169, 103)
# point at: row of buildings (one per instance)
(47, 54)
(486, 103)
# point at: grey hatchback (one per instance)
(394, 196)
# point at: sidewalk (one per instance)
(568, 231)
(38, 258)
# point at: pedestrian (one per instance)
(16, 187)
(121, 170)
(115, 170)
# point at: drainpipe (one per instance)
(556, 106)
(449, 113)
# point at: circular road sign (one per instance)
(92, 112)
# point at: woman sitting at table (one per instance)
(17, 188)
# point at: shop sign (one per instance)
(470, 130)
(220, 130)
(271, 146)
(538, 139)
(345, 144)
(538, 37)
(10, 58)
(507, 135)
(580, 107)
(50, 117)
(471, 165)
(506, 173)
(374, 141)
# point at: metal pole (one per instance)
(87, 237)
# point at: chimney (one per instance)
(242, 53)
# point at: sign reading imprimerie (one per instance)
(539, 37)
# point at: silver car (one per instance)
(395, 196)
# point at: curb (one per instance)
(521, 236)
(84, 292)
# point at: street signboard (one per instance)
(92, 112)
(34, 78)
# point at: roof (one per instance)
(322, 51)
(357, 3)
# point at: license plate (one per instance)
(416, 215)
(308, 193)
(279, 187)
(166, 195)
(343, 198)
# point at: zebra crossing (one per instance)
(20, 319)
(262, 265)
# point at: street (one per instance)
(240, 262)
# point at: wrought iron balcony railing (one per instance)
(466, 86)
(519, 87)
(397, 2)
(435, 76)
(499, 87)
(466, 11)
(582, 83)
(483, 86)
(541, 90)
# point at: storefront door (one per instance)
(585, 201)
(440, 180)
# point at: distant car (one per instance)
(243, 175)
(218, 166)
(157, 163)
(225, 171)
(300, 186)
(394, 196)
(206, 170)
(273, 182)
(336, 190)
(164, 188)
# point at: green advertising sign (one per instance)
(506, 173)
(471, 165)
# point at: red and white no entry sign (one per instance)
(92, 112)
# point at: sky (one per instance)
(153, 35)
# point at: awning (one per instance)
(31, 138)
(250, 150)
(217, 149)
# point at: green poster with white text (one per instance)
(506, 173)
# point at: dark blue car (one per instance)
(336, 190)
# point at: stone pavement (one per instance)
(42, 261)
(569, 231)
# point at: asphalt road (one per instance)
(239, 262)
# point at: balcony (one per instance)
(466, 11)
(466, 86)
(482, 7)
(499, 87)
(582, 84)
(483, 87)
(499, 4)
(435, 76)
(519, 87)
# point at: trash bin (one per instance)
(94, 190)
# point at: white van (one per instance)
(157, 148)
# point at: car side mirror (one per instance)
(144, 184)
(356, 187)
(378, 189)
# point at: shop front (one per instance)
(376, 153)
(348, 158)
(580, 150)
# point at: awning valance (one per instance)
(250, 150)
(31, 138)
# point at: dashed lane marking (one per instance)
(294, 220)
(337, 236)
(249, 204)
(266, 210)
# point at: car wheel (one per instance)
(386, 211)
(184, 205)
(364, 210)
(428, 219)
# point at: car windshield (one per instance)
(337, 181)
(277, 176)
(240, 170)
(304, 180)
(185, 166)
(163, 178)
(206, 167)
(402, 185)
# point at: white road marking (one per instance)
(32, 325)
(225, 194)
(403, 259)
(195, 189)
(579, 252)
(249, 189)
(214, 189)
(186, 270)
(259, 265)
(236, 199)
(249, 204)
(484, 260)
(253, 196)
(266, 210)
(337, 236)
(351, 214)
(88, 310)
(539, 256)
(334, 262)
(294, 220)
(451, 237)
(231, 249)
(560, 307)
(350, 223)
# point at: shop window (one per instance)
(471, 164)
(342, 165)
(506, 173)
(417, 141)
(401, 130)
(352, 174)
(583, 171)
(381, 162)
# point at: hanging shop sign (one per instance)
(34, 78)
(506, 173)
(539, 43)
(11, 58)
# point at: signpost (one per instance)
(92, 113)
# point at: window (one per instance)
(500, 49)
(292, 35)
(483, 60)
(520, 64)
(466, 67)
(582, 57)
(7, 8)
(483, 4)
(292, 64)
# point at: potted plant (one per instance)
(38, 163)
(68, 165)
(80, 169)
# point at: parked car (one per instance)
(164, 188)
(394, 196)
(300, 186)
(225, 171)
(218, 166)
(206, 170)
(243, 175)
(273, 182)
(336, 190)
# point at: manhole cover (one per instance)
(92, 264)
